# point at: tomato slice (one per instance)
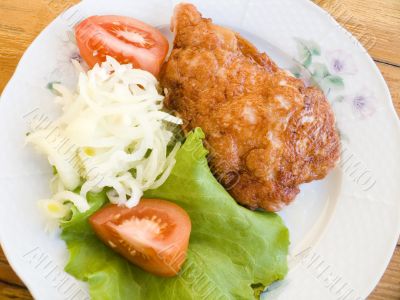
(126, 39)
(153, 235)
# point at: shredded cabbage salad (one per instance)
(119, 137)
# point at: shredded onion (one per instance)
(116, 133)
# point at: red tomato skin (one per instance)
(95, 41)
(164, 257)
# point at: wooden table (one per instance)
(376, 23)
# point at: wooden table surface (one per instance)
(376, 23)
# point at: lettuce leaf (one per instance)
(233, 252)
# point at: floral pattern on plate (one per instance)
(329, 71)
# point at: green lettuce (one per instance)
(233, 252)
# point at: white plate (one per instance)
(344, 228)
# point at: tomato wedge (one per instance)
(126, 39)
(153, 235)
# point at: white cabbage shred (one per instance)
(117, 136)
